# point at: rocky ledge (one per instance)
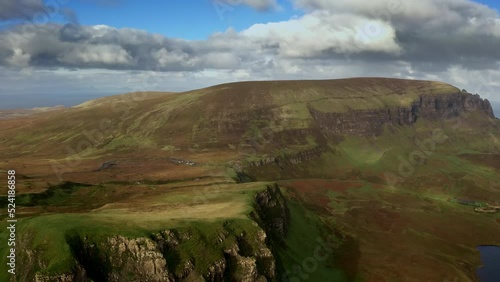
(372, 122)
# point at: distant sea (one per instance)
(496, 108)
(11, 102)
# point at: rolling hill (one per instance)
(357, 179)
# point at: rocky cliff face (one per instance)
(450, 106)
(290, 159)
(372, 122)
(242, 257)
(328, 129)
(272, 213)
(118, 258)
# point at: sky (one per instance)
(68, 51)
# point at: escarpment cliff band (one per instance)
(372, 122)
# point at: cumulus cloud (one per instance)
(19, 59)
(431, 33)
(75, 46)
(320, 32)
(110, 55)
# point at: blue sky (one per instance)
(194, 19)
(89, 48)
(491, 3)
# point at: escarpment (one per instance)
(291, 158)
(371, 122)
(327, 128)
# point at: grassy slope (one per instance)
(299, 257)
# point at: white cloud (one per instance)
(318, 32)
(165, 58)
(101, 54)
(19, 58)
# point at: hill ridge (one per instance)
(241, 113)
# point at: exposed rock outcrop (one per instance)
(334, 126)
(119, 259)
(449, 106)
(296, 158)
(239, 257)
(272, 213)
(372, 122)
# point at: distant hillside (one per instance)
(286, 116)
